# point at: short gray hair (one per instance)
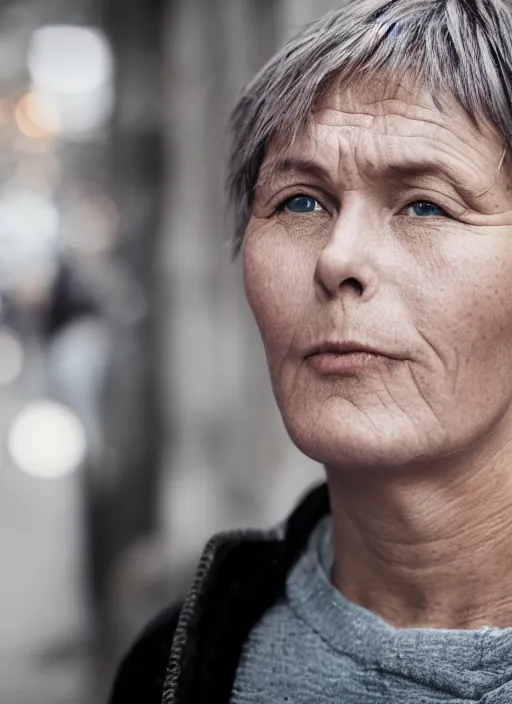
(459, 47)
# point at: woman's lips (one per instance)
(340, 363)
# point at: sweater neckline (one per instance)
(481, 657)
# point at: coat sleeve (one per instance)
(140, 676)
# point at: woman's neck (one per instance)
(430, 549)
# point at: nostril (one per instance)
(353, 283)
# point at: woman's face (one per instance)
(389, 224)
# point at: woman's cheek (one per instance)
(277, 279)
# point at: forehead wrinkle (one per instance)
(410, 114)
(416, 164)
(384, 129)
(451, 111)
(371, 117)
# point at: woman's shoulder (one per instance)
(141, 674)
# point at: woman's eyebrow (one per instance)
(397, 170)
(394, 169)
(423, 167)
(465, 185)
(295, 165)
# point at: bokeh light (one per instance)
(69, 59)
(29, 228)
(72, 67)
(36, 117)
(46, 440)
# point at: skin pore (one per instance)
(389, 223)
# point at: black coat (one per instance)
(190, 653)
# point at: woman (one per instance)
(370, 176)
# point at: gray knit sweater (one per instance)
(316, 647)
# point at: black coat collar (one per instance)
(240, 576)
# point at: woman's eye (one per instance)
(301, 204)
(423, 208)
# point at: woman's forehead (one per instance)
(344, 115)
(386, 95)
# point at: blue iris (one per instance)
(424, 208)
(301, 204)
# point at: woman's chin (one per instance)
(350, 447)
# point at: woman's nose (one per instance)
(347, 261)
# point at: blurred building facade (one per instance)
(137, 417)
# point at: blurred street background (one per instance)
(136, 414)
